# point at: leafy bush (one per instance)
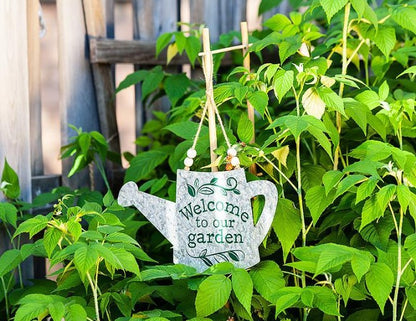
(335, 126)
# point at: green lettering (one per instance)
(244, 217)
(230, 208)
(229, 238)
(187, 212)
(197, 209)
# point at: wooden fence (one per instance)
(80, 103)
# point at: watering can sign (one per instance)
(212, 219)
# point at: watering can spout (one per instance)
(158, 211)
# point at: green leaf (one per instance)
(132, 79)
(32, 226)
(358, 112)
(379, 281)
(245, 128)
(186, 129)
(385, 195)
(283, 81)
(9, 260)
(296, 125)
(316, 203)
(119, 237)
(364, 314)
(286, 215)
(360, 263)
(267, 279)
(152, 81)
(410, 246)
(129, 262)
(331, 99)
(312, 103)
(75, 312)
(259, 101)
(212, 295)
(404, 196)
(30, 311)
(84, 259)
(8, 213)
(162, 41)
(331, 7)
(331, 179)
(410, 70)
(286, 298)
(364, 167)
(145, 162)
(411, 295)
(176, 86)
(51, 239)
(385, 39)
(192, 48)
(56, 310)
(366, 189)
(243, 288)
(383, 91)
(324, 299)
(289, 46)
(372, 150)
(371, 211)
(333, 256)
(321, 138)
(278, 22)
(405, 16)
(9, 182)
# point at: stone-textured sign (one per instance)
(212, 219)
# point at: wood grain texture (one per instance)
(14, 92)
(34, 87)
(76, 89)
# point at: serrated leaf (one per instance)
(132, 79)
(8, 213)
(331, 7)
(286, 224)
(383, 90)
(51, 240)
(281, 154)
(9, 182)
(333, 256)
(192, 48)
(259, 101)
(56, 310)
(129, 262)
(411, 295)
(32, 226)
(331, 99)
(75, 312)
(366, 189)
(410, 246)
(9, 260)
(267, 279)
(385, 39)
(372, 150)
(369, 98)
(84, 259)
(371, 211)
(30, 311)
(176, 86)
(242, 287)
(152, 82)
(316, 203)
(162, 41)
(277, 22)
(385, 195)
(212, 295)
(312, 103)
(330, 179)
(405, 16)
(379, 281)
(360, 263)
(286, 297)
(171, 53)
(367, 167)
(145, 162)
(245, 128)
(404, 197)
(283, 81)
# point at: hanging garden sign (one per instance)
(212, 219)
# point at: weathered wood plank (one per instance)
(133, 51)
(14, 92)
(103, 81)
(34, 87)
(76, 90)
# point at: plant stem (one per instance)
(344, 72)
(6, 301)
(399, 265)
(94, 293)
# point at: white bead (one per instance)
(191, 153)
(235, 161)
(232, 152)
(188, 162)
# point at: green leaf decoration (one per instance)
(145, 162)
(267, 279)
(243, 288)
(286, 215)
(234, 256)
(385, 39)
(331, 7)
(192, 48)
(283, 81)
(191, 190)
(405, 16)
(212, 295)
(316, 203)
(259, 101)
(9, 184)
(9, 260)
(379, 281)
(367, 167)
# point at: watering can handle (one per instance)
(268, 189)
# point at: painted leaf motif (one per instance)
(234, 256)
(205, 190)
(214, 180)
(203, 253)
(236, 191)
(196, 183)
(191, 190)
